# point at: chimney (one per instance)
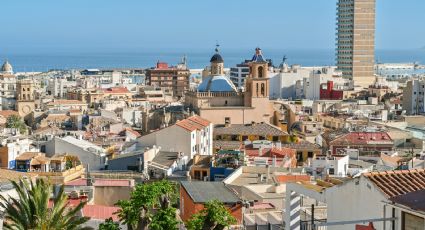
(268, 173)
(189, 178)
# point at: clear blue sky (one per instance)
(108, 25)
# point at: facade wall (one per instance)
(174, 79)
(414, 98)
(110, 195)
(355, 200)
(127, 163)
(283, 85)
(4, 159)
(175, 139)
(58, 146)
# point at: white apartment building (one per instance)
(283, 82)
(15, 146)
(413, 97)
(311, 85)
(190, 136)
(330, 165)
(58, 86)
(238, 74)
(7, 91)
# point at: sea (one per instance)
(196, 59)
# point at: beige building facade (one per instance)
(356, 40)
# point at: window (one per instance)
(310, 154)
(262, 89)
(260, 72)
(409, 221)
(299, 156)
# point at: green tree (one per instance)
(164, 219)
(128, 214)
(293, 138)
(136, 213)
(214, 216)
(31, 209)
(15, 121)
(109, 224)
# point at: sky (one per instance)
(107, 25)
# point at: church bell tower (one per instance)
(25, 103)
(257, 83)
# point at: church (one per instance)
(219, 101)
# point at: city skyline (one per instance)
(90, 26)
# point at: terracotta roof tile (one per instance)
(134, 132)
(395, 183)
(116, 90)
(193, 123)
(291, 178)
(363, 138)
(7, 113)
(199, 120)
(270, 152)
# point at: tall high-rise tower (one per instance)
(355, 49)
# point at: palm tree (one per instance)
(31, 209)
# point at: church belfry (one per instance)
(25, 103)
(257, 83)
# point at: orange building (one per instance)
(194, 194)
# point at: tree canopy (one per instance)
(137, 213)
(109, 224)
(214, 216)
(15, 121)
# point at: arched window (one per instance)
(262, 89)
(23, 89)
(260, 72)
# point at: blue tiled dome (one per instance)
(218, 83)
